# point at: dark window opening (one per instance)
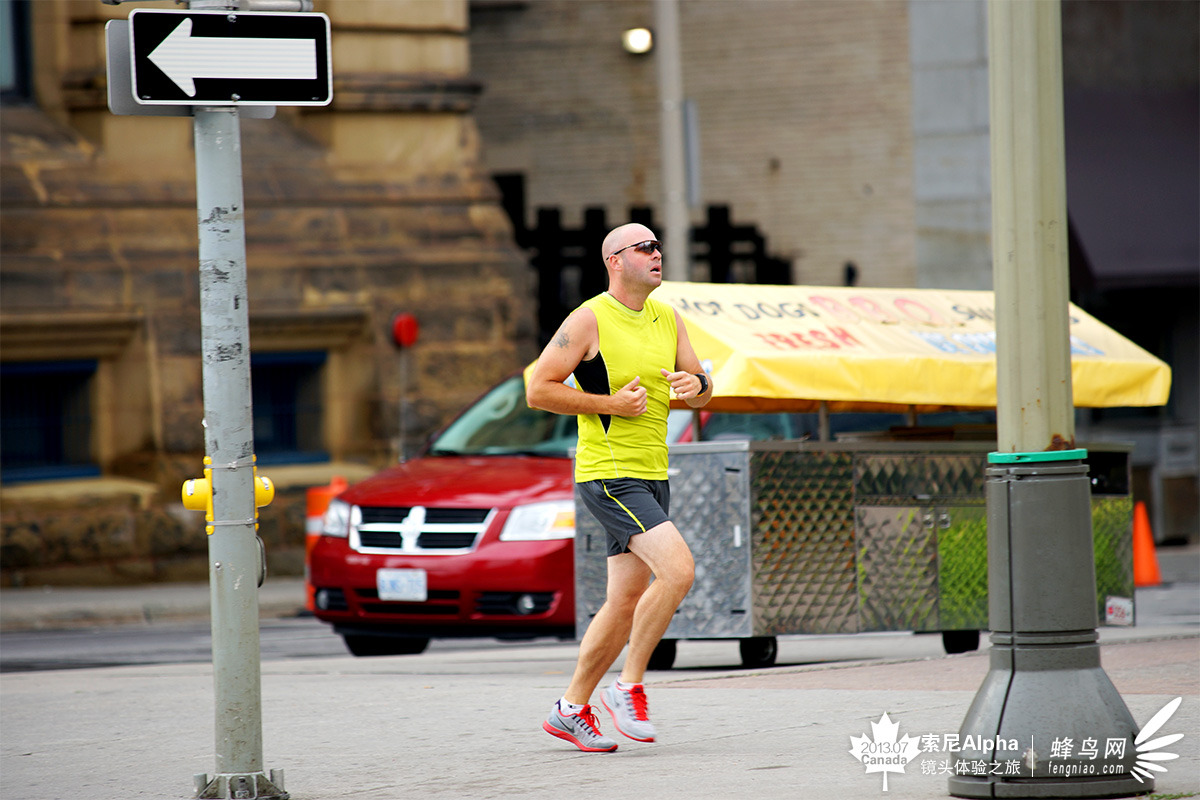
(14, 52)
(46, 420)
(287, 407)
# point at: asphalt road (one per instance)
(305, 637)
(180, 643)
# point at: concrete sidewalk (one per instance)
(451, 725)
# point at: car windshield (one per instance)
(501, 424)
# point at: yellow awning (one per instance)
(789, 348)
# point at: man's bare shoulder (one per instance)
(578, 328)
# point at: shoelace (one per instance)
(589, 719)
(637, 696)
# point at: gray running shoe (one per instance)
(580, 729)
(629, 712)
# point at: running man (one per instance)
(628, 352)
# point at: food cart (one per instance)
(878, 531)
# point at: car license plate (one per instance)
(404, 585)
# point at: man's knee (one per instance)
(681, 574)
(677, 573)
(624, 598)
(666, 553)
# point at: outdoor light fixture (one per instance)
(638, 41)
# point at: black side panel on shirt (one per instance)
(592, 376)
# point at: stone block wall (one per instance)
(802, 108)
(354, 212)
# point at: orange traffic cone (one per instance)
(1145, 562)
(316, 501)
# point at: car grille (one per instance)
(417, 529)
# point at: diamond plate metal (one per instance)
(962, 568)
(591, 566)
(897, 569)
(1112, 538)
(889, 475)
(956, 476)
(903, 477)
(710, 504)
(803, 557)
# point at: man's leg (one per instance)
(663, 550)
(609, 630)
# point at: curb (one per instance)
(52, 608)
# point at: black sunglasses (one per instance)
(645, 248)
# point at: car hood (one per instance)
(466, 482)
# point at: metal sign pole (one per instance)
(156, 66)
(229, 443)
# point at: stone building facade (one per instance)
(374, 205)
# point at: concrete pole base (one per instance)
(1046, 721)
(1034, 696)
(248, 786)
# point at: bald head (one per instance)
(623, 236)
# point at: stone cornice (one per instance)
(87, 90)
(63, 335)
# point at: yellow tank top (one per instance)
(632, 343)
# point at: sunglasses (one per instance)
(645, 248)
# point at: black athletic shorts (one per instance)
(625, 507)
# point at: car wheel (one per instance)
(384, 645)
(759, 651)
(960, 641)
(663, 656)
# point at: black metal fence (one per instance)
(569, 263)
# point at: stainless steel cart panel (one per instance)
(808, 537)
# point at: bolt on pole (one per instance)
(229, 443)
(1045, 682)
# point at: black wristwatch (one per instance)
(703, 383)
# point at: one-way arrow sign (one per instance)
(214, 58)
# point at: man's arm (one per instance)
(577, 339)
(684, 381)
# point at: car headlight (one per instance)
(340, 517)
(554, 519)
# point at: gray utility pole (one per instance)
(234, 566)
(1045, 684)
(673, 154)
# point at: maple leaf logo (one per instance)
(883, 752)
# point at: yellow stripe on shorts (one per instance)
(632, 516)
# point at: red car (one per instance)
(472, 538)
(475, 536)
